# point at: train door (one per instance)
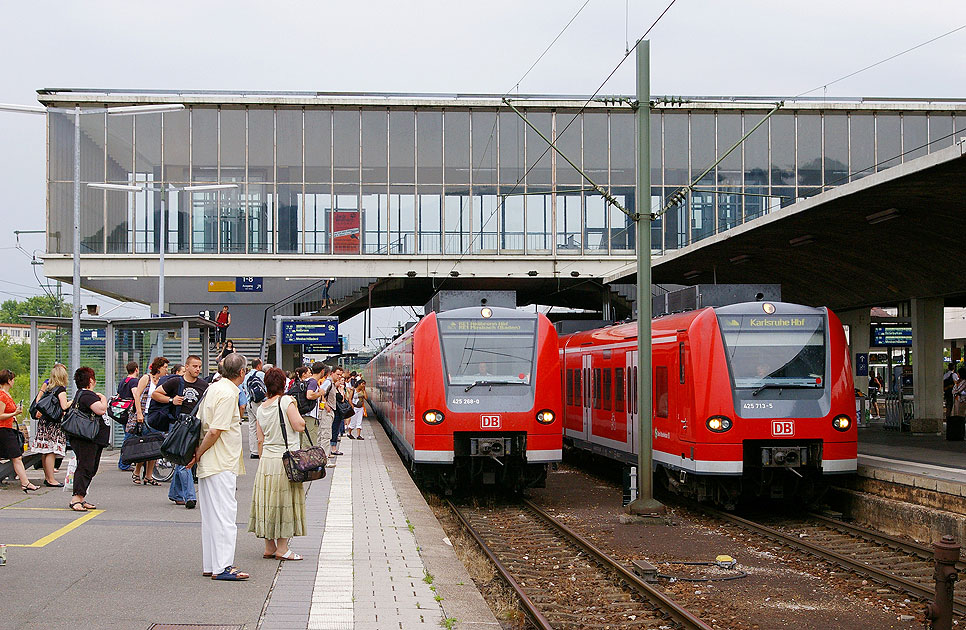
(678, 392)
(587, 400)
(630, 362)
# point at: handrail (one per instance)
(263, 354)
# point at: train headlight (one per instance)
(718, 424)
(545, 417)
(486, 312)
(842, 423)
(433, 417)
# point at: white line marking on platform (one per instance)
(332, 595)
(953, 471)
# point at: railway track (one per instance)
(562, 580)
(905, 566)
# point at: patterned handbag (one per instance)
(306, 464)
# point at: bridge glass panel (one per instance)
(484, 147)
(176, 143)
(782, 149)
(204, 145)
(91, 219)
(375, 147)
(702, 215)
(657, 225)
(888, 140)
(429, 148)
(596, 148)
(402, 146)
(147, 154)
(60, 217)
(457, 221)
(511, 143)
(430, 222)
(568, 224)
(204, 222)
(318, 145)
(595, 232)
(940, 131)
(676, 149)
(622, 226)
(537, 149)
(915, 135)
(862, 144)
(60, 152)
(318, 205)
(289, 213)
(288, 158)
(675, 222)
(345, 146)
(623, 149)
(485, 220)
(512, 213)
(119, 143)
(568, 141)
(256, 203)
(146, 212)
(539, 220)
(233, 136)
(703, 150)
(756, 166)
(836, 151)
(729, 175)
(809, 153)
(347, 223)
(456, 134)
(402, 219)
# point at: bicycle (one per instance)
(163, 471)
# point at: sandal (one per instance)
(231, 574)
(136, 479)
(289, 555)
(151, 482)
(88, 506)
(73, 506)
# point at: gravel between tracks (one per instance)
(784, 588)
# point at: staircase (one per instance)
(249, 347)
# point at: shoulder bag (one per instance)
(343, 408)
(306, 464)
(119, 409)
(141, 448)
(161, 416)
(48, 406)
(78, 424)
(21, 438)
(183, 436)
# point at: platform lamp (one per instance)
(77, 111)
(163, 240)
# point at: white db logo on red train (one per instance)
(490, 422)
(783, 428)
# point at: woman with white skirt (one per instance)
(358, 402)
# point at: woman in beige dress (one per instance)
(278, 505)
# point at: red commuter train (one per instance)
(471, 396)
(752, 399)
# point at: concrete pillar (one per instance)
(927, 364)
(858, 322)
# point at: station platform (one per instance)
(884, 454)
(374, 557)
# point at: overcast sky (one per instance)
(701, 47)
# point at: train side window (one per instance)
(570, 387)
(681, 360)
(660, 391)
(596, 388)
(607, 390)
(618, 389)
(578, 391)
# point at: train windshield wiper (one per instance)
(782, 386)
(491, 384)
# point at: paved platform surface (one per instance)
(923, 455)
(375, 557)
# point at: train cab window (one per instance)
(606, 389)
(660, 391)
(578, 391)
(596, 396)
(570, 387)
(492, 351)
(619, 389)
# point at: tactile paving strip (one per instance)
(189, 626)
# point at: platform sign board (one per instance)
(890, 335)
(249, 284)
(93, 337)
(861, 363)
(322, 348)
(303, 332)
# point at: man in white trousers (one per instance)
(220, 461)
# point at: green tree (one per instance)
(12, 311)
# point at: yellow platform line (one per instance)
(49, 538)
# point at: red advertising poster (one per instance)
(346, 235)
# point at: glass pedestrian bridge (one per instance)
(371, 175)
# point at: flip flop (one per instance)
(268, 556)
(88, 506)
(73, 506)
(289, 555)
(231, 574)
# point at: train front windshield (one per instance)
(494, 351)
(775, 351)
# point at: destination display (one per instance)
(770, 322)
(296, 332)
(322, 348)
(890, 335)
(486, 326)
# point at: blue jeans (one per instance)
(338, 425)
(182, 485)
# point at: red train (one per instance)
(471, 396)
(752, 399)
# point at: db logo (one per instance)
(490, 422)
(783, 428)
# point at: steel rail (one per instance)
(878, 575)
(655, 596)
(530, 609)
(922, 551)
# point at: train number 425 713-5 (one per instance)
(757, 405)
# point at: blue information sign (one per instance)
(891, 335)
(249, 284)
(301, 332)
(322, 348)
(93, 337)
(861, 363)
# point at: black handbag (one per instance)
(343, 408)
(141, 448)
(78, 424)
(305, 464)
(21, 438)
(181, 442)
(48, 406)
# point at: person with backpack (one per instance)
(180, 395)
(157, 372)
(125, 391)
(254, 387)
(313, 393)
(299, 390)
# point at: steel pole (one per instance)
(75, 333)
(645, 502)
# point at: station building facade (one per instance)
(384, 178)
